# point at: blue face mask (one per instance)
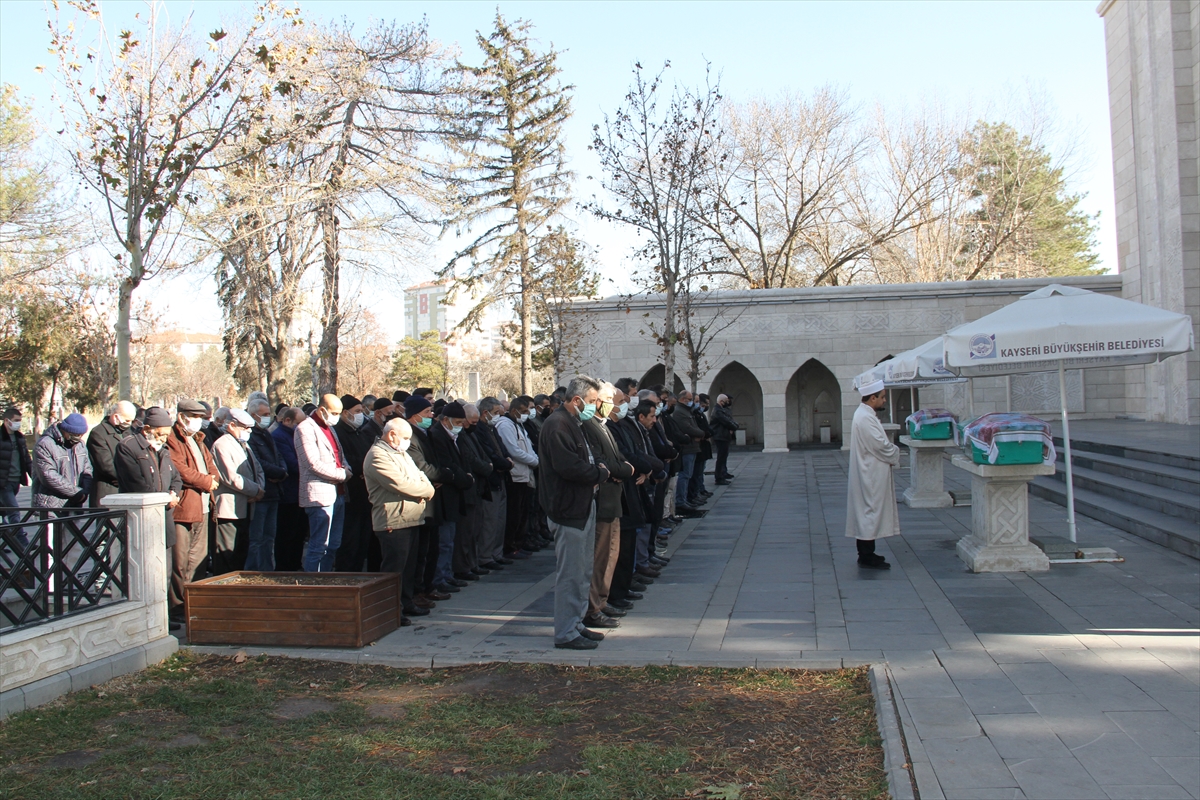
(425, 423)
(589, 411)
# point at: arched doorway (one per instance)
(814, 401)
(743, 388)
(655, 376)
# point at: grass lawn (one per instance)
(203, 726)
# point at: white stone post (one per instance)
(999, 539)
(925, 473)
(148, 567)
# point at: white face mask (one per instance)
(243, 435)
(13, 425)
(155, 443)
(403, 445)
(264, 422)
(622, 410)
(455, 430)
(193, 424)
(204, 423)
(356, 421)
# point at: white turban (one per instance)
(868, 389)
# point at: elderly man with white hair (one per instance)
(398, 490)
(241, 486)
(102, 449)
(723, 427)
(264, 523)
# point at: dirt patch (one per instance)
(294, 708)
(294, 580)
(75, 759)
(184, 740)
(392, 711)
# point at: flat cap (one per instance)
(190, 407)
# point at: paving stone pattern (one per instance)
(1080, 682)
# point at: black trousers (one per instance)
(356, 537)
(866, 548)
(425, 564)
(516, 515)
(397, 548)
(623, 574)
(721, 469)
(232, 539)
(291, 537)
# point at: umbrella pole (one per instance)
(1062, 394)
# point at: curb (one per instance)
(901, 785)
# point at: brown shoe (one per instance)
(436, 595)
(423, 602)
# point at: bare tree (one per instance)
(703, 318)
(654, 166)
(158, 106)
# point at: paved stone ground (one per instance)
(1082, 682)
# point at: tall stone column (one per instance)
(149, 568)
(775, 416)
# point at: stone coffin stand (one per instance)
(282, 611)
(925, 471)
(999, 539)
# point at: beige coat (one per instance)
(871, 500)
(241, 478)
(397, 488)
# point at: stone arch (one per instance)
(657, 375)
(743, 387)
(813, 400)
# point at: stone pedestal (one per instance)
(999, 540)
(892, 430)
(925, 473)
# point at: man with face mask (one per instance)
(15, 463)
(455, 493)
(421, 569)
(398, 492)
(62, 471)
(198, 474)
(102, 449)
(265, 522)
(723, 426)
(356, 531)
(323, 475)
(568, 478)
(291, 531)
(242, 485)
(521, 481)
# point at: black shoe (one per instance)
(619, 605)
(519, 555)
(676, 519)
(696, 502)
(595, 636)
(174, 625)
(880, 564)
(659, 561)
(416, 611)
(492, 566)
(637, 586)
(463, 578)
(728, 476)
(707, 493)
(634, 595)
(600, 622)
(612, 611)
(503, 561)
(578, 643)
(722, 483)
(446, 588)
(481, 571)
(405, 622)
(688, 512)
(647, 575)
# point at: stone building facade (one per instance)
(789, 356)
(1153, 49)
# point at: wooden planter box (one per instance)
(331, 609)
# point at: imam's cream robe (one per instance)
(871, 500)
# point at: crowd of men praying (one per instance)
(440, 491)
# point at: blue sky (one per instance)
(976, 54)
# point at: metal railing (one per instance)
(55, 562)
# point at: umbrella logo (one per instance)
(982, 345)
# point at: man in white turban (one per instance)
(871, 500)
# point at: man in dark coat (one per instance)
(467, 537)
(568, 475)
(634, 442)
(16, 467)
(265, 523)
(291, 527)
(357, 531)
(456, 494)
(421, 570)
(102, 449)
(723, 427)
(609, 505)
(700, 414)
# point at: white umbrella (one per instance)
(1060, 328)
(921, 366)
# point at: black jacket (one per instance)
(141, 470)
(705, 429)
(421, 452)
(567, 477)
(635, 447)
(370, 432)
(274, 466)
(493, 445)
(356, 452)
(12, 445)
(681, 428)
(475, 458)
(102, 450)
(456, 490)
(609, 499)
(723, 424)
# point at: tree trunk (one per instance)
(327, 352)
(526, 321)
(669, 340)
(121, 329)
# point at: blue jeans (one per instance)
(445, 558)
(685, 477)
(643, 549)
(8, 500)
(697, 486)
(324, 535)
(261, 556)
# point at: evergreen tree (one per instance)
(419, 362)
(517, 180)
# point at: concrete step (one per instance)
(1185, 505)
(1177, 534)
(1183, 461)
(1168, 477)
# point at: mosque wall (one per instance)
(789, 356)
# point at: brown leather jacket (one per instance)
(195, 482)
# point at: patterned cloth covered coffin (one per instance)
(932, 418)
(991, 430)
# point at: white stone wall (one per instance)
(39, 652)
(1153, 49)
(847, 329)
